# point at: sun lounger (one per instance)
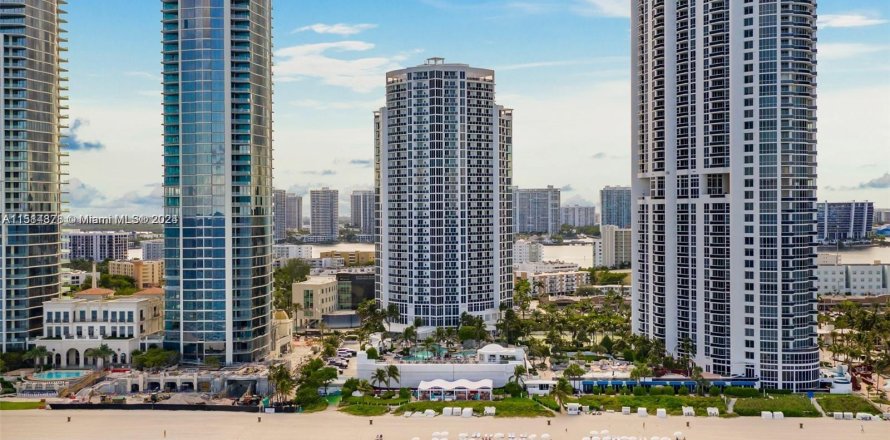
(642, 412)
(429, 413)
(838, 415)
(661, 413)
(863, 416)
(408, 413)
(625, 410)
(489, 411)
(688, 411)
(848, 416)
(766, 414)
(446, 411)
(713, 412)
(778, 415)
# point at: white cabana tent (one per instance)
(461, 389)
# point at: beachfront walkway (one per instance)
(189, 425)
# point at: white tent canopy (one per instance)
(460, 384)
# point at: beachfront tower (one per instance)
(217, 62)
(443, 180)
(724, 184)
(31, 168)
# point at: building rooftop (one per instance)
(94, 291)
(151, 291)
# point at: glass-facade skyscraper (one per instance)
(615, 204)
(217, 79)
(31, 168)
(724, 184)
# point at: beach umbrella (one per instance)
(499, 435)
(545, 436)
(678, 435)
(443, 434)
(594, 432)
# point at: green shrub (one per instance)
(404, 393)
(610, 391)
(639, 390)
(513, 389)
(662, 390)
(625, 390)
(547, 401)
(596, 390)
(790, 406)
(683, 391)
(372, 353)
(741, 392)
(714, 391)
(388, 395)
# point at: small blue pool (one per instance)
(60, 374)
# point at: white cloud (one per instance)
(536, 64)
(839, 51)
(312, 60)
(608, 8)
(336, 29)
(847, 20)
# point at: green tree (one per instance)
(282, 382)
(37, 354)
(562, 391)
(518, 372)
(573, 372)
(639, 371)
(102, 352)
(294, 271)
(379, 377)
(392, 372)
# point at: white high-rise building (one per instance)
(577, 216)
(152, 250)
(294, 212)
(525, 251)
(279, 214)
(597, 252)
(616, 245)
(615, 202)
(96, 245)
(325, 209)
(443, 175)
(362, 209)
(536, 210)
(724, 185)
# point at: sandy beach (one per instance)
(110, 424)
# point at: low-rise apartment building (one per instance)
(351, 258)
(290, 251)
(146, 273)
(316, 296)
(853, 279)
(552, 277)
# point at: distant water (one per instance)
(582, 255)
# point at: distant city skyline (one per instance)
(571, 100)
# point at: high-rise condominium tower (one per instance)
(325, 210)
(444, 165)
(279, 212)
(362, 207)
(218, 177)
(294, 213)
(31, 166)
(615, 202)
(536, 210)
(724, 184)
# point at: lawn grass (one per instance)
(321, 405)
(790, 406)
(371, 400)
(832, 403)
(672, 404)
(511, 407)
(365, 410)
(6, 406)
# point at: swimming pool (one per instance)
(60, 374)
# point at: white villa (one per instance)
(73, 325)
(492, 362)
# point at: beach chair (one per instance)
(838, 415)
(467, 412)
(778, 415)
(429, 413)
(625, 410)
(713, 412)
(863, 416)
(642, 412)
(766, 414)
(407, 414)
(661, 413)
(446, 411)
(848, 416)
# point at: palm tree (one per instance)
(365, 387)
(37, 354)
(102, 352)
(562, 391)
(380, 377)
(392, 372)
(518, 372)
(409, 335)
(640, 371)
(282, 382)
(573, 372)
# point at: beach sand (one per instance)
(330, 424)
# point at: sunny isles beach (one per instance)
(98, 425)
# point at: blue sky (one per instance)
(562, 65)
